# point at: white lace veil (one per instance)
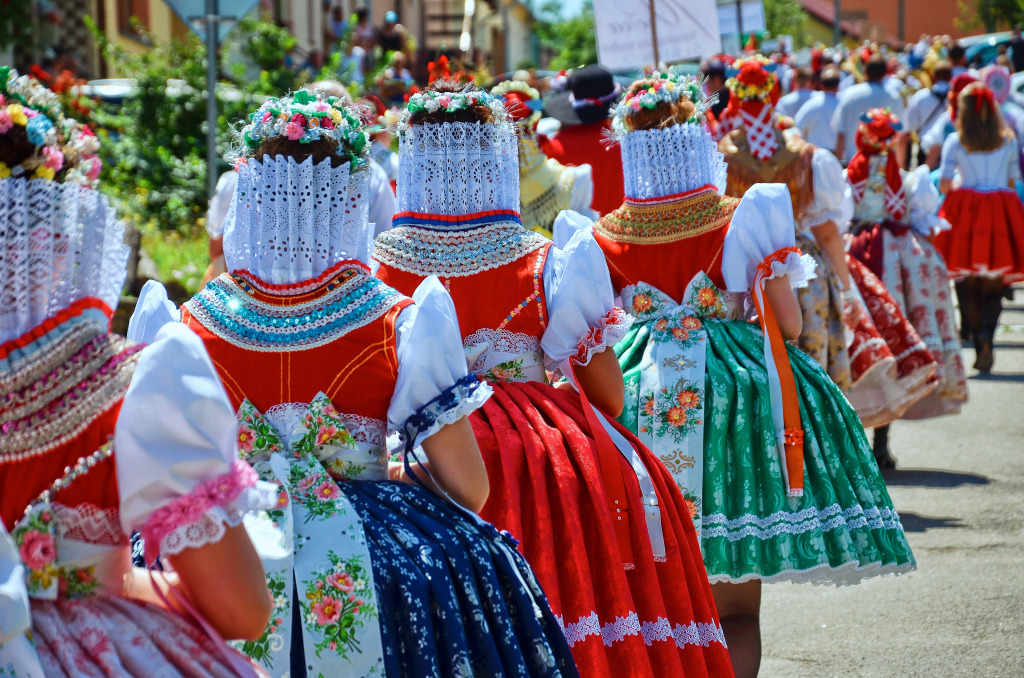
(458, 168)
(291, 221)
(61, 243)
(672, 160)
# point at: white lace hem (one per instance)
(609, 331)
(660, 630)
(798, 266)
(847, 574)
(462, 409)
(213, 523)
(830, 518)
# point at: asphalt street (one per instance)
(959, 490)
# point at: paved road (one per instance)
(959, 490)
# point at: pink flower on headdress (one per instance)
(54, 158)
(294, 131)
(95, 166)
(267, 116)
(321, 107)
(445, 101)
(5, 121)
(635, 104)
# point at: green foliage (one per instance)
(989, 15)
(15, 24)
(786, 17)
(178, 257)
(573, 40)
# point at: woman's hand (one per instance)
(601, 380)
(454, 461)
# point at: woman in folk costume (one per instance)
(871, 353)
(546, 186)
(764, 446)
(894, 221)
(86, 459)
(582, 109)
(984, 249)
(599, 519)
(375, 569)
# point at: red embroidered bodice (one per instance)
(509, 297)
(334, 334)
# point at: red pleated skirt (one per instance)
(987, 237)
(656, 619)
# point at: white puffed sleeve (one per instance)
(582, 316)
(178, 473)
(153, 310)
(14, 611)
(567, 223)
(832, 200)
(762, 232)
(434, 387)
(951, 149)
(923, 203)
(582, 191)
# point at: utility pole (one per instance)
(654, 34)
(899, 21)
(212, 26)
(739, 23)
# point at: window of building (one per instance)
(130, 13)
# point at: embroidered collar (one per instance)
(668, 218)
(425, 251)
(291, 317)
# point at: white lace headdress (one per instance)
(671, 160)
(62, 244)
(458, 168)
(290, 221)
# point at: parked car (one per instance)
(983, 49)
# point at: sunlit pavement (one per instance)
(959, 490)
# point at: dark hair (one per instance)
(943, 71)
(875, 69)
(830, 79)
(15, 148)
(318, 149)
(665, 114)
(957, 52)
(362, 14)
(804, 75)
(478, 113)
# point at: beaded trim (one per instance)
(668, 219)
(536, 295)
(454, 254)
(449, 222)
(349, 301)
(330, 279)
(71, 474)
(73, 387)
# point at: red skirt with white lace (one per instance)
(656, 619)
(987, 237)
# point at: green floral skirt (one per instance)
(844, 527)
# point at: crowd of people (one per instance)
(552, 389)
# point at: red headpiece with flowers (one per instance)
(878, 130)
(753, 92)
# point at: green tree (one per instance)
(989, 14)
(786, 17)
(573, 40)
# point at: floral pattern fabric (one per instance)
(844, 527)
(824, 335)
(666, 399)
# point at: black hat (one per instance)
(591, 92)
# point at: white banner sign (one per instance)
(753, 17)
(687, 29)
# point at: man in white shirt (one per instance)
(815, 117)
(928, 105)
(860, 99)
(790, 104)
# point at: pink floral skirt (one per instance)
(110, 636)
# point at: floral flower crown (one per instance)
(878, 127)
(304, 117)
(666, 88)
(431, 101)
(522, 102)
(62, 144)
(752, 78)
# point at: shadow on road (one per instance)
(930, 477)
(912, 522)
(1017, 377)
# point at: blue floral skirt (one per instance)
(455, 597)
